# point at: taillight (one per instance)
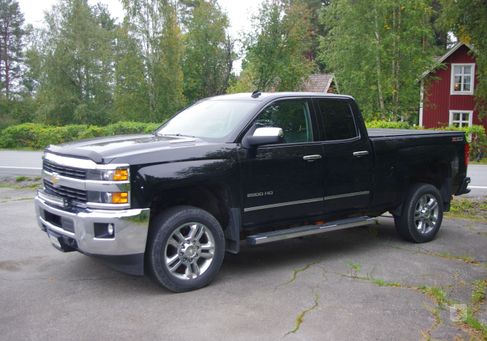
(466, 153)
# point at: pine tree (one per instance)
(11, 48)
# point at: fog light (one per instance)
(103, 230)
(110, 229)
(120, 198)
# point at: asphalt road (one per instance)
(15, 163)
(358, 284)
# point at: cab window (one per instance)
(337, 119)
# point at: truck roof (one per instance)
(266, 96)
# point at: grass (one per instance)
(480, 162)
(354, 268)
(383, 283)
(465, 208)
(478, 291)
(437, 293)
(300, 318)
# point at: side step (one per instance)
(307, 230)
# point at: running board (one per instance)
(308, 230)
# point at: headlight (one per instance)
(119, 174)
(108, 198)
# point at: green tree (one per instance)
(468, 20)
(154, 26)
(168, 70)
(208, 56)
(276, 49)
(380, 57)
(12, 42)
(76, 73)
(131, 97)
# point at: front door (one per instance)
(284, 181)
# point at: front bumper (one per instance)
(75, 230)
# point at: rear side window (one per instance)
(337, 119)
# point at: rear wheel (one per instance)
(421, 214)
(185, 249)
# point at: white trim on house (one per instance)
(445, 56)
(421, 103)
(461, 121)
(452, 78)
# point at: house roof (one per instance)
(319, 82)
(448, 53)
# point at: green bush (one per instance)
(38, 136)
(387, 124)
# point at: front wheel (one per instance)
(421, 214)
(186, 247)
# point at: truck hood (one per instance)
(106, 149)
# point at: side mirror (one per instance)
(261, 136)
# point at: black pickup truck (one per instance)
(252, 168)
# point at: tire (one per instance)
(185, 248)
(421, 214)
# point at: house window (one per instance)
(461, 118)
(462, 79)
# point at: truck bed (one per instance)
(382, 132)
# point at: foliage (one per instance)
(131, 96)
(208, 56)
(467, 19)
(12, 35)
(168, 73)
(38, 136)
(76, 64)
(154, 28)
(388, 124)
(380, 57)
(276, 48)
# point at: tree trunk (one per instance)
(378, 63)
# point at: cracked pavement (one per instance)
(360, 284)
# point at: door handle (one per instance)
(311, 158)
(361, 153)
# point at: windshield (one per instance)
(213, 119)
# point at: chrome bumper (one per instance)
(130, 225)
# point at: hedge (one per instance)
(38, 136)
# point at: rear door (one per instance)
(284, 181)
(347, 158)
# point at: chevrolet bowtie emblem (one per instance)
(54, 178)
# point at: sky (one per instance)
(239, 12)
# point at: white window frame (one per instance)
(452, 79)
(470, 117)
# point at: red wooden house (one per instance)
(447, 93)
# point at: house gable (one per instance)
(442, 94)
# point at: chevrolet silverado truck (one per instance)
(244, 168)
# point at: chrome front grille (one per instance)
(65, 192)
(70, 172)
